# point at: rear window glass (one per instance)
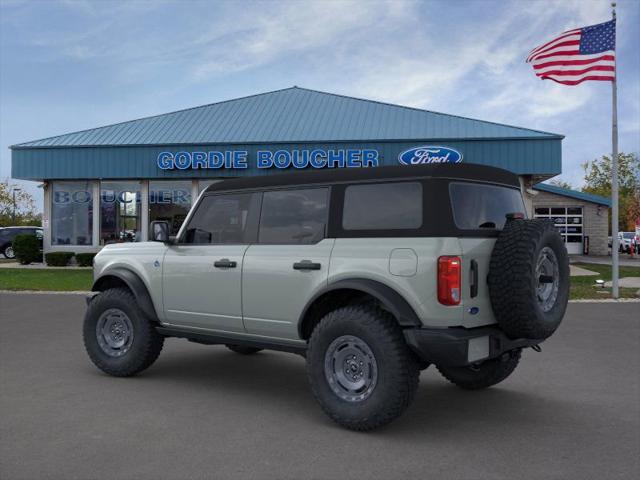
(477, 206)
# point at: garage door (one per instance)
(568, 221)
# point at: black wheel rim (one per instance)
(114, 332)
(350, 368)
(547, 278)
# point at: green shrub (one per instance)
(85, 259)
(27, 248)
(58, 259)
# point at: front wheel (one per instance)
(118, 337)
(360, 369)
(491, 372)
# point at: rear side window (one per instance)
(224, 219)
(477, 206)
(294, 216)
(383, 206)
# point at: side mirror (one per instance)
(159, 231)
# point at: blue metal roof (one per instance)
(289, 116)
(565, 192)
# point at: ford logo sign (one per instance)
(429, 154)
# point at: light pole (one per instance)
(14, 203)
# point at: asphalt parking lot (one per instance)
(572, 411)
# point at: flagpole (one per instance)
(614, 177)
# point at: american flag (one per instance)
(587, 53)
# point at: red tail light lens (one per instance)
(449, 280)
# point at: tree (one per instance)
(558, 182)
(597, 180)
(25, 207)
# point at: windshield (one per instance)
(628, 235)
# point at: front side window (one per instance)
(383, 206)
(294, 216)
(170, 201)
(119, 212)
(223, 219)
(477, 206)
(71, 213)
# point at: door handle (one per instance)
(474, 279)
(224, 263)
(306, 265)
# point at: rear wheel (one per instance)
(118, 337)
(360, 369)
(8, 252)
(491, 372)
(243, 350)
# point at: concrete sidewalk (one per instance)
(40, 266)
(624, 260)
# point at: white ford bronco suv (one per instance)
(371, 274)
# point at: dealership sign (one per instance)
(265, 159)
(429, 154)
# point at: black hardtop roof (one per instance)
(481, 173)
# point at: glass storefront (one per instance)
(72, 213)
(170, 201)
(120, 212)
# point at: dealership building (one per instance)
(106, 184)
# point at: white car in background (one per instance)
(625, 241)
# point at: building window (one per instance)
(568, 221)
(72, 213)
(119, 212)
(170, 201)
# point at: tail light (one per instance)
(449, 280)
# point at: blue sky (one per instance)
(72, 65)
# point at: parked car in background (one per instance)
(625, 241)
(7, 234)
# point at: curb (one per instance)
(605, 300)
(45, 292)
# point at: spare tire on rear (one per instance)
(529, 279)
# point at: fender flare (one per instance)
(135, 284)
(391, 299)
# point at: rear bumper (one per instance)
(456, 347)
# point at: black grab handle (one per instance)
(474, 279)
(225, 263)
(306, 265)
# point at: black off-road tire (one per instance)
(513, 283)
(243, 349)
(146, 343)
(484, 375)
(397, 368)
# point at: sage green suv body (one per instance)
(369, 273)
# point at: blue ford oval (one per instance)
(429, 154)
